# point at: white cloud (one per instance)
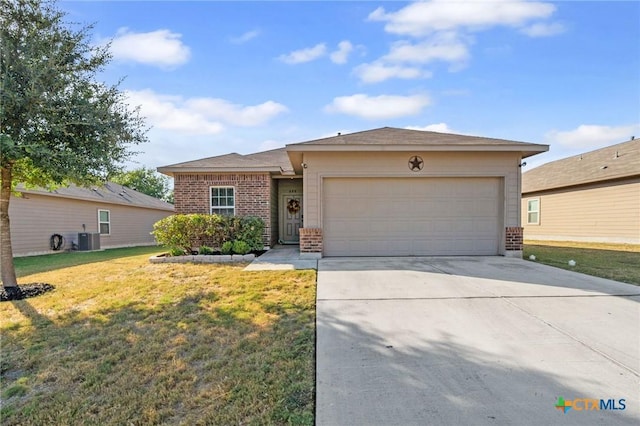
(378, 107)
(377, 72)
(304, 55)
(445, 47)
(161, 48)
(588, 136)
(423, 18)
(444, 28)
(543, 29)
(167, 112)
(238, 115)
(436, 127)
(249, 35)
(199, 115)
(341, 55)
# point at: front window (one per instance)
(533, 211)
(104, 222)
(223, 200)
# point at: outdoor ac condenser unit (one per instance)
(88, 241)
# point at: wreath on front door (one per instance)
(293, 206)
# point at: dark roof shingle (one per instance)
(396, 136)
(266, 160)
(110, 193)
(612, 162)
(279, 160)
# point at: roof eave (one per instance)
(295, 151)
(580, 183)
(530, 149)
(170, 171)
(94, 200)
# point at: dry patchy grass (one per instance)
(127, 342)
(618, 265)
(586, 245)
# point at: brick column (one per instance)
(513, 241)
(311, 243)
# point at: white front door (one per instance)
(292, 218)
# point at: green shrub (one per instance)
(204, 250)
(227, 247)
(241, 247)
(176, 251)
(187, 231)
(250, 231)
(217, 232)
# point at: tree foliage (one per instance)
(146, 181)
(58, 123)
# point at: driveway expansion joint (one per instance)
(576, 339)
(566, 296)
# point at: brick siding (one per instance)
(192, 194)
(513, 238)
(310, 240)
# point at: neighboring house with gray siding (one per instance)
(590, 197)
(122, 216)
(380, 192)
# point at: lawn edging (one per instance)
(199, 258)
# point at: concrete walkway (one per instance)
(472, 341)
(282, 258)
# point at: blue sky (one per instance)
(216, 77)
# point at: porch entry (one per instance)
(291, 211)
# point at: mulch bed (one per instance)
(24, 291)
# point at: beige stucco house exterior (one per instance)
(592, 197)
(380, 192)
(123, 217)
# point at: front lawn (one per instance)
(123, 341)
(33, 264)
(620, 263)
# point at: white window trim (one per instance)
(211, 206)
(100, 222)
(537, 222)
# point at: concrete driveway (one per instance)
(473, 341)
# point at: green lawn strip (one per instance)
(49, 262)
(127, 342)
(616, 265)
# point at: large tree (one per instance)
(147, 181)
(58, 123)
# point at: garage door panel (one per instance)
(421, 216)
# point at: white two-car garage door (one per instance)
(411, 216)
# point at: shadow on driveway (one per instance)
(471, 341)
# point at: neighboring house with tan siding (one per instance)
(122, 216)
(591, 197)
(381, 192)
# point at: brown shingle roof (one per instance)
(612, 162)
(395, 136)
(273, 160)
(110, 193)
(281, 160)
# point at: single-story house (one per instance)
(121, 216)
(380, 192)
(593, 197)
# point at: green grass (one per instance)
(49, 262)
(620, 265)
(123, 341)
